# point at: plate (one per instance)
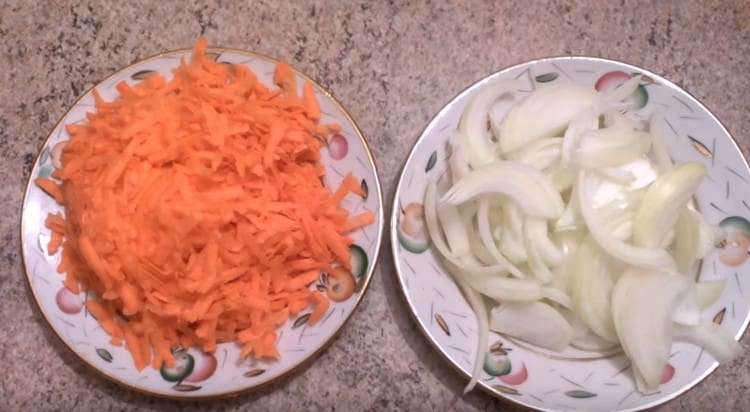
(546, 380)
(217, 374)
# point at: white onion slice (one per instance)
(528, 187)
(643, 305)
(637, 256)
(533, 322)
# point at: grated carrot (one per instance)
(195, 211)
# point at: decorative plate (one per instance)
(541, 379)
(198, 374)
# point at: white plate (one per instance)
(577, 380)
(220, 373)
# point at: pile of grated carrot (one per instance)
(195, 210)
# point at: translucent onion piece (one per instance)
(526, 186)
(534, 322)
(438, 240)
(473, 124)
(601, 153)
(714, 338)
(477, 305)
(539, 154)
(708, 292)
(591, 283)
(662, 203)
(458, 162)
(621, 92)
(544, 113)
(582, 122)
(643, 305)
(637, 256)
(485, 235)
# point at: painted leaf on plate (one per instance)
(701, 148)
(546, 77)
(443, 324)
(431, 161)
(104, 354)
(301, 321)
(580, 394)
(253, 373)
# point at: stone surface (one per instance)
(393, 65)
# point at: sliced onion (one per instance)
(544, 113)
(538, 234)
(591, 283)
(600, 153)
(477, 305)
(454, 229)
(584, 121)
(688, 312)
(621, 92)
(533, 322)
(473, 124)
(619, 176)
(663, 200)
(539, 154)
(458, 162)
(499, 288)
(712, 337)
(557, 296)
(686, 240)
(528, 187)
(485, 235)
(643, 306)
(437, 239)
(708, 292)
(637, 256)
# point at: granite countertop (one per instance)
(393, 65)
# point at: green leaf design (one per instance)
(358, 260)
(45, 155)
(546, 77)
(142, 75)
(104, 354)
(431, 161)
(45, 171)
(301, 321)
(365, 189)
(580, 394)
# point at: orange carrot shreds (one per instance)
(195, 210)
(52, 188)
(361, 220)
(321, 306)
(312, 106)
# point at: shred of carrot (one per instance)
(51, 187)
(312, 106)
(195, 211)
(321, 306)
(361, 220)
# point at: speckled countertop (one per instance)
(393, 65)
